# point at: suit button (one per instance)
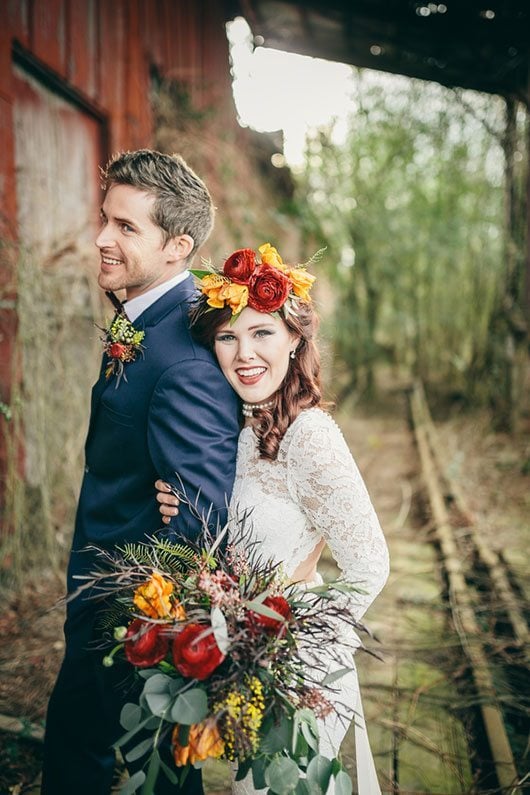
(87, 470)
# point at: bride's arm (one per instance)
(324, 479)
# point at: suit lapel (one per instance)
(165, 304)
(150, 317)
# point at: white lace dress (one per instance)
(313, 491)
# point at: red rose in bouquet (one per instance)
(274, 625)
(144, 644)
(194, 656)
(268, 289)
(240, 265)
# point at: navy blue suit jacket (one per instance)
(176, 413)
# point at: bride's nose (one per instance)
(245, 351)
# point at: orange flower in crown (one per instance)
(266, 285)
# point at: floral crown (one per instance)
(267, 286)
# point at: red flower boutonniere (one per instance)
(122, 344)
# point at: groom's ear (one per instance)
(179, 248)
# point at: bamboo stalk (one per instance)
(462, 611)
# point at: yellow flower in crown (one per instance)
(235, 295)
(270, 256)
(154, 599)
(211, 285)
(302, 282)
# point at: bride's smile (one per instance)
(254, 353)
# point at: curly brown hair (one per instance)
(301, 387)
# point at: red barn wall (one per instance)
(97, 56)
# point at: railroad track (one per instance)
(487, 611)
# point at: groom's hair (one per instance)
(183, 205)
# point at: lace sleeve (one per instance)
(325, 481)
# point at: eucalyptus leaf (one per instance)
(159, 683)
(158, 703)
(152, 774)
(130, 734)
(220, 629)
(301, 747)
(305, 788)
(319, 771)
(278, 737)
(147, 673)
(133, 784)
(139, 750)
(332, 677)
(258, 772)
(190, 707)
(243, 769)
(336, 766)
(184, 734)
(170, 774)
(176, 685)
(282, 775)
(263, 610)
(130, 716)
(308, 716)
(309, 736)
(343, 784)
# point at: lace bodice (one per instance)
(313, 490)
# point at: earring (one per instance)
(293, 354)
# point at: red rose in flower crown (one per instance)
(240, 265)
(194, 656)
(144, 644)
(274, 625)
(268, 289)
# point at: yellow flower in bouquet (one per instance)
(204, 741)
(154, 599)
(241, 715)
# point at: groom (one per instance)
(168, 412)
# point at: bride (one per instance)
(294, 470)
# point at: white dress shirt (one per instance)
(135, 306)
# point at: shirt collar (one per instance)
(136, 306)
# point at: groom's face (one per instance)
(133, 254)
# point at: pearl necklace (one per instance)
(248, 408)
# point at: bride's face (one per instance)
(254, 353)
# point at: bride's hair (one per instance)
(300, 388)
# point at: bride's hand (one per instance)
(168, 502)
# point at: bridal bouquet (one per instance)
(219, 642)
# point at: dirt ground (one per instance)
(492, 469)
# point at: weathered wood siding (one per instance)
(74, 86)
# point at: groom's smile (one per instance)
(134, 254)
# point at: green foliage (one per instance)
(5, 411)
(159, 553)
(411, 207)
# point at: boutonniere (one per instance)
(122, 343)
